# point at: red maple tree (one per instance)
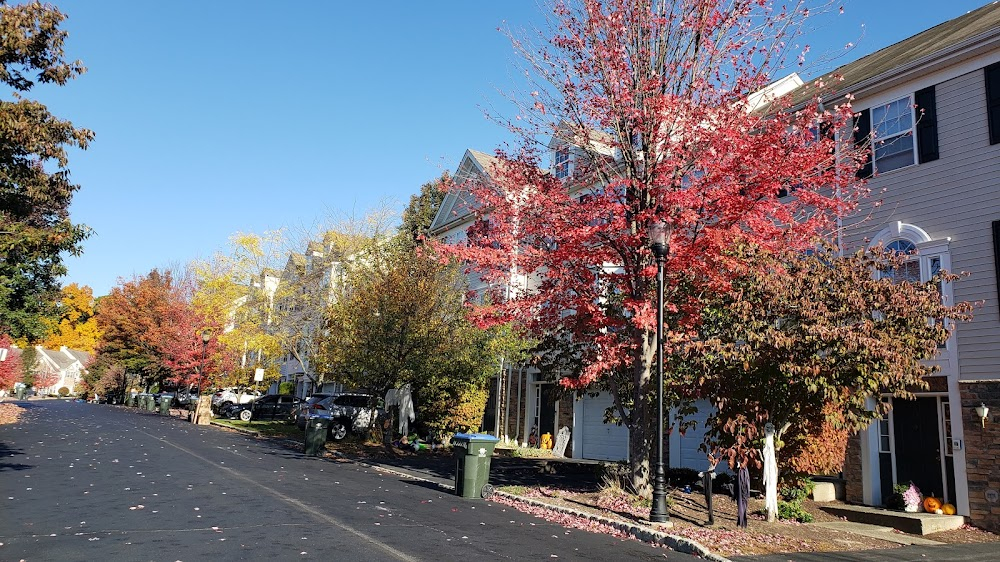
(150, 328)
(655, 101)
(10, 368)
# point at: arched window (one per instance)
(926, 258)
(909, 270)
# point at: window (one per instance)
(562, 162)
(892, 124)
(883, 435)
(901, 133)
(921, 266)
(909, 270)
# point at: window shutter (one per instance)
(996, 252)
(993, 101)
(927, 130)
(862, 140)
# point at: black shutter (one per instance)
(862, 140)
(996, 253)
(993, 101)
(927, 130)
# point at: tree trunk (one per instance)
(642, 429)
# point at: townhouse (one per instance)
(928, 110)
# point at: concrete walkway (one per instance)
(877, 532)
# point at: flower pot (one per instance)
(911, 508)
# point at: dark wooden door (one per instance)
(918, 444)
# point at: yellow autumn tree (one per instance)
(77, 324)
(236, 287)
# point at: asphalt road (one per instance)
(96, 482)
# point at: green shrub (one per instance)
(895, 499)
(794, 511)
(723, 483)
(790, 504)
(678, 477)
(797, 493)
(63, 391)
(287, 387)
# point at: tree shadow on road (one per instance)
(5, 452)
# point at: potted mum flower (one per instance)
(912, 499)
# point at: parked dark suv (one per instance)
(269, 407)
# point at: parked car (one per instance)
(269, 407)
(345, 412)
(300, 412)
(232, 395)
(185, 397)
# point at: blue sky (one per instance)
(223, 116)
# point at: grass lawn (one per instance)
(269, 428)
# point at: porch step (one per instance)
(878, 532)
(913, 523)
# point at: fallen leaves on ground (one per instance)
(10, 413)
(688, 513)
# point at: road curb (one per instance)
(674, 542)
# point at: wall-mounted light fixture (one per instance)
(982, 410)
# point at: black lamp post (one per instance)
(659, 243)
(205, 337)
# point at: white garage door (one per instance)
(598, 440)
(684, 449)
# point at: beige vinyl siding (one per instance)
(957, 197)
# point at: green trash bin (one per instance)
(316, 432)
(473, 452)
(150, 403)
(165, 404)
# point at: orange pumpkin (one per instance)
(948, 509)
(931, 504)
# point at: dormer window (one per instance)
(562, 162)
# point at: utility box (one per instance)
(473, 452)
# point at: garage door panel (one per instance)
(601, 441)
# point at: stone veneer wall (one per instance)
(853, 489)
(982, 452)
